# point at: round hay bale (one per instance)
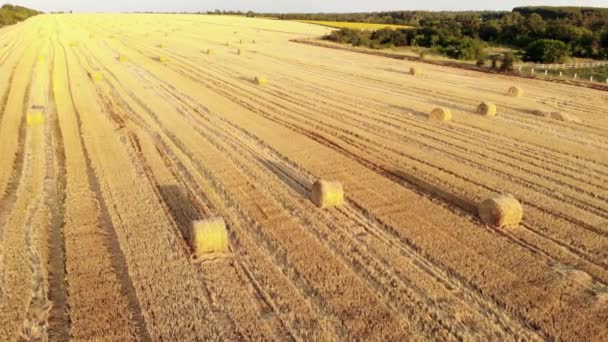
(515, 92)
(260, 80)
(415, 71)
(227, 43)
(240, 52)
(326, 194)
(487, 109)
(209, 236)
(209, 51)
(441, 114)
(96, 75)
(500, 211)
(163, 59)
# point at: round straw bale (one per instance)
(240, 51)
(96, 75)
(487, 109)
(415, 71)
(441, 114)
(209, 236)
(209, 51)
(515, 92)
(500, 211)
(327, 194)
(260, 80)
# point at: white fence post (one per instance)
(546, 72)
(575, 76)
(532, 70)
(591, 78)
(561, 73)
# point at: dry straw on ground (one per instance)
(515, 92)
(565, 117)
(487, 109)
(441, 114)
(209, 236)
(500, 211)
(415, 71)
(327, 194)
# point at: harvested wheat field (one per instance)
(119, 173)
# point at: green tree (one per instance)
(547, 51)
(536, 25)
(508, 60)
(465, 48)
(490, 30)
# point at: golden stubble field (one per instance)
(118, 131)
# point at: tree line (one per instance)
(10, 14)
(546, 34)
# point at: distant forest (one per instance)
(10, 14)
(565, 31)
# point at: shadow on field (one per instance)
(452, 106)
(396, 71)
(406, 110)
(181, 208)
(435, 191)
(290, 177)
(248, 79)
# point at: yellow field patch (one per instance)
(359, 26)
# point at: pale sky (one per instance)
(290, 5)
